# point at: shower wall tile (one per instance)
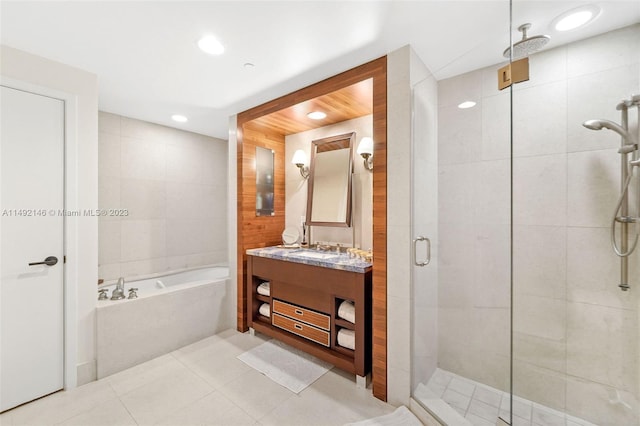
(109, 196)
(540, 317)
(593, 270)
(544, 386)
(536, 129)
(491, 192)
(540, 261)
(490, 80)
(162, 176)
(108, 155)
(545, 67)
(541, 352)
(460, 143)
(492, 331)
(458, 182)
(109, 244)
(492, 265)
(496, 127)
(142, 159)
(539, 192)
(593, 187)
(597, 334)
(595, 96)
(465, 87)
(604, 52)
(143, 239)
(143, 199)
(600, 404)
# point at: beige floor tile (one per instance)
(63, 405)
(213, 409)
(217, 371)
(333, 399)
(108, 413)
(142, 374)
(255, 393)
(158, 399)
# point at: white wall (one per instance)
(80, 192)
(575, 333)
(173, 184)
(296, 186)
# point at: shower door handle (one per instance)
(415, 249)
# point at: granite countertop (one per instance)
(324, 259)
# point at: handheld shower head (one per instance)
(606, 124)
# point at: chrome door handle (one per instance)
(415, 247)
(49, 261)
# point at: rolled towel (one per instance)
(264, 288)
(347, 311)
(265, 310)
(347, 338)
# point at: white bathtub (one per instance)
(171, 311)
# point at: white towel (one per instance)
(347, 311)
(264, 288)
(347, 338)
(265, 310)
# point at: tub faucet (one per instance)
(118, 292)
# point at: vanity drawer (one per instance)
(301, 329)
(301, 314)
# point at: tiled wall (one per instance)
(173, 184)
(575, 332)
(296, 186)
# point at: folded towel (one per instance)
(347, 338)
(264, 288)
(347, 311)
(265, 310)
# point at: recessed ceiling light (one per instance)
(210, 45)
(317, 115)
(467, 104)
(179, 118)
(576, 18)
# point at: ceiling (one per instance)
(149, 67)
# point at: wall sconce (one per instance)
(365, 148)
(299, 158)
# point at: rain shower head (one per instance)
(606, 124)
(527, 45)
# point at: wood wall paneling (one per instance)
(257, 128)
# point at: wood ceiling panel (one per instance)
(345, 104)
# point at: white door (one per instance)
(31, 230)
(424, 226)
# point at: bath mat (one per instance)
(287, 366)
(401, 417)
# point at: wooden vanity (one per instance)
(306, 291)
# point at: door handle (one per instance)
(49, 261)
(415, 248)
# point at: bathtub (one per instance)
(171, 311)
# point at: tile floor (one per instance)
(481, 405)
(202, 384)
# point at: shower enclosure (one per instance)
(520, 313)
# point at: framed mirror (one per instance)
(264, 181)
(331, 170)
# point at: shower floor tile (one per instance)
(480, 405)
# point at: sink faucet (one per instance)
(118, 292)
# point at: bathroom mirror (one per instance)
(329, 197)
(264, 182)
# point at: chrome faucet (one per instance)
(118, 292)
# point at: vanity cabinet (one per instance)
(304, 301)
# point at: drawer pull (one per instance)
(297, 326)
(298, 312)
